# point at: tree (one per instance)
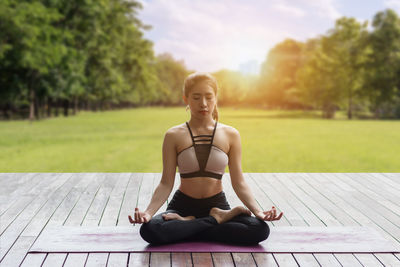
(278, 74)
(383, 64)
(31, 46)
(171, 74)
(349, 53)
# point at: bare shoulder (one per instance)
(230, 131)
(175, 132)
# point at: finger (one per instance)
(279, 217)
(136, 214)
(130, 219)
(267, 217)
(145, 220)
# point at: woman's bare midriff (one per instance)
(200, 187)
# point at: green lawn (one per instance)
(131, 140)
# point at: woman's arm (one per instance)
(166, 184)
(240, 186)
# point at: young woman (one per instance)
(202, 148)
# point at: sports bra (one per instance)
(202, 160)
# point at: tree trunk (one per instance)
(349, 111)
(66, 107)
(57, 102)
(31, 103)
(49, 103)
(75, 105)
(36, 108)
(5, 112)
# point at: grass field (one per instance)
(131, 141)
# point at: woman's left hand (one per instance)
(269, 215)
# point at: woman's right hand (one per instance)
(140, 217)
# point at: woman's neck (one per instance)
(202, 123)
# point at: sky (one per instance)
(210, 35)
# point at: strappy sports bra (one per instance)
(202, 160)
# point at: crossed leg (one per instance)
(233, 226)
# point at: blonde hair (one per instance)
(198, 77)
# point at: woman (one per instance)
(201, 148)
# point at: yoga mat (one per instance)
(343, 239)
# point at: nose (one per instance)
(204, 102)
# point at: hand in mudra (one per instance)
(140, 217)
(269, 215)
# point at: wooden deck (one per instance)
(32, 201)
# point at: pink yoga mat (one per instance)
(344, 239)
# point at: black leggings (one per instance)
(242, 229)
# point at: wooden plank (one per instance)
(387, 259)
(222, 259)
(139, 259)
(369, 188)
(75, 259)
(382, 223)
(202, 259)
(288, 181)
(143, 199)
(130, 199)
(95, 212)
(327, 205)
(16, 255)
(111, 212)
(79, 211)
(45, 213)
(312, 203)
(145, 191)
(181, 259)
(41, 218)
(33, 260)
(325, 184)
(327, 260)
(96, 209)
(347, 260)
(64, 210)
(306, 259)
(161, 259)
(11, 190)
(395, 177)
(243, 259)
(23, 200)
(11, 234)
(367, 260)
(303, 204)
(348, 204)
(293, 217)
(117, 259)
(265, 259)
(285, 259)
(54, 260)
(97, 260)
(264, 200)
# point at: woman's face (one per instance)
(201, 100)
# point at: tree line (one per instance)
(59, 56)
(352, 68)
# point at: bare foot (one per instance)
(176, 216)
(225, 215)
